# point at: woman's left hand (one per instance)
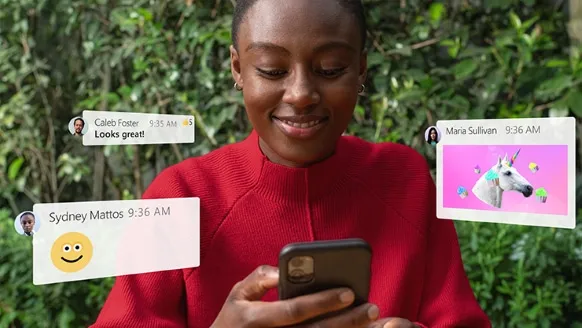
(393, 323)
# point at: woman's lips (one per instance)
(301, 127)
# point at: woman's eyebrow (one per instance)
(268, 46)
(335, 45)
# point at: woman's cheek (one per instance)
(261, 96)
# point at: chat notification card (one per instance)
(124, 128)
(88, 240)
(513, 171)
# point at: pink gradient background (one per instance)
(459, 162)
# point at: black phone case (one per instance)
(337, 263)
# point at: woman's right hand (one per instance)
(244, 308)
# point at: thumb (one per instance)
(257, 284)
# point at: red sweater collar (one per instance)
(287, 184)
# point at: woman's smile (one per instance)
(300, 126)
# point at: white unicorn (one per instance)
(509, 180)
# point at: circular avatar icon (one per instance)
(432, 135)
(26, 224)
(71, 252)
(77, 126)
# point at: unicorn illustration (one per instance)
(507, 178)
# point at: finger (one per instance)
(256, 285)
(297, 310)
(393, 323)
(359, 317)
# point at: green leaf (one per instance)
(437, 11)
(66, 317)
(112, 98)
(553, 88)
(380, 83)
(89, 103)
(410, 95)
(529, 23)
(125, 91)
(574, 102)
(553, 63)
(460, 103)
(515, 20)
(465, 68)
(146, 14)
(404, 51)
(14, 168)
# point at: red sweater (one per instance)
(251, 208)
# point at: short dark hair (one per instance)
(26, 214)
(355, 7)
(79, 119)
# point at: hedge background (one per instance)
(429, 60)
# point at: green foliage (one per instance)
(523, 276)
(428, 61)
(25, 305)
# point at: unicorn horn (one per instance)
(514, 157)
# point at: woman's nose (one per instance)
(301, 91)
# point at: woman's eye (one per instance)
(331, 72)
(272, 72)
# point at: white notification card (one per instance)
(126, 128)
(88, 240)
(514, 171)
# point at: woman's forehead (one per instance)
(307, 22)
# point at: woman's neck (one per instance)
(277, 159)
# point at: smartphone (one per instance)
(311, 267)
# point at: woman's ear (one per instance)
(235, 66)
(363, 67)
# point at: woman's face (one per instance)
(300, 65)
(433, 135)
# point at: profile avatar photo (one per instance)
(26, 224)
(77, 126)
(432, 135)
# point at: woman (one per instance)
(300, 66)
(433, 136)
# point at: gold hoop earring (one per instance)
(361, 89)
(237, 87)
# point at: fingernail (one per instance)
(347, 297)
(373, 312)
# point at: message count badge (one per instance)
(90, 240)
(512, 171)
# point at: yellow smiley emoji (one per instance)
(71, 252)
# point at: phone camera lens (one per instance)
(297, 262)
(296, 273)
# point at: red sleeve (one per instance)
(152, 299)
(448, 300)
